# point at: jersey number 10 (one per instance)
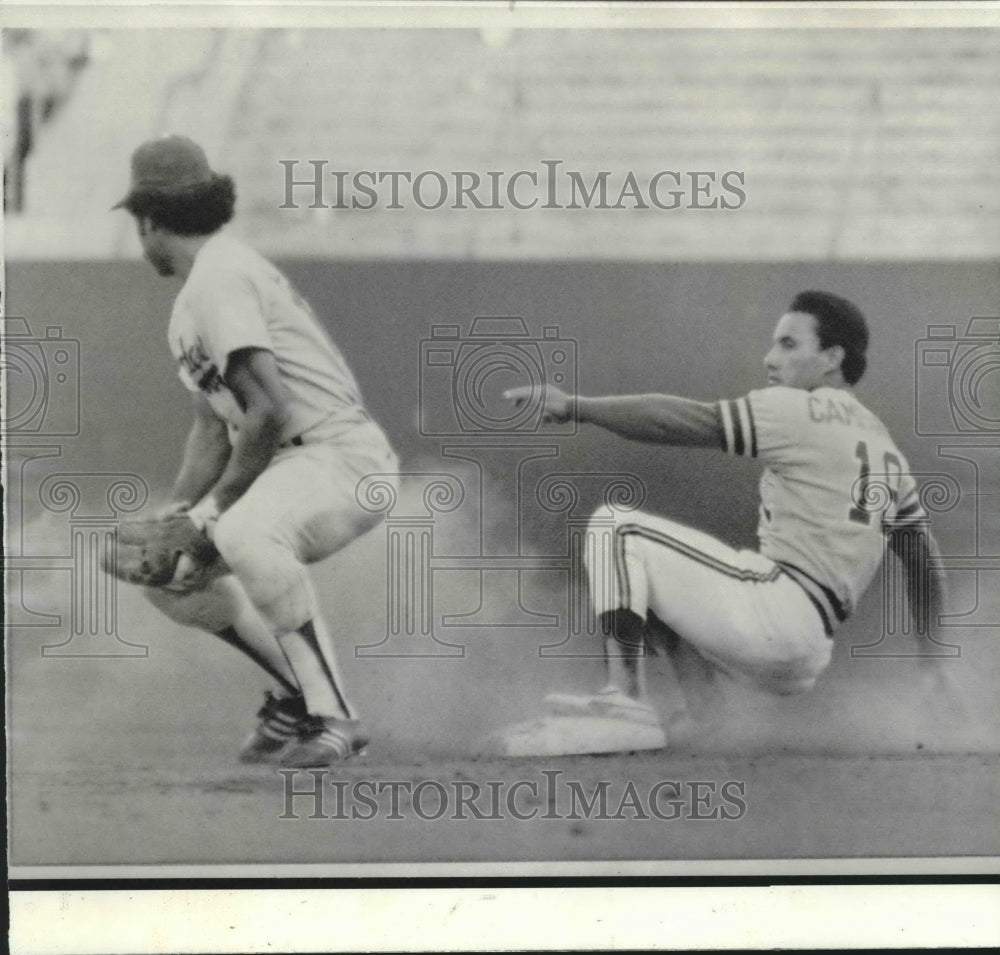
(893, 473)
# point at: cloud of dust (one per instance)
(443, 694)
(451, 697)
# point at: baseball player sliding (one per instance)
(833, 484)
(279, 441)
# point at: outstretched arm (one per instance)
(660, 419)
(657, 419)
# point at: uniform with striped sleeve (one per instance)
(832, 477)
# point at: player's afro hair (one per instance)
(838, 322)
(200, 210)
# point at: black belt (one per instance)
(298, 441)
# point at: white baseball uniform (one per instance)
(302, 508)
(832, 477)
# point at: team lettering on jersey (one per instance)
(825, 409)
(197, 362)
(234, 299)
(833, 482)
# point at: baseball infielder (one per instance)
(279, 441)
(833, 483)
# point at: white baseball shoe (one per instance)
(609, 703)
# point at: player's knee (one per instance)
(273, 577)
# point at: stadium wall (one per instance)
(698, 330)
(693, 329)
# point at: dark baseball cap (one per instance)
(168, 166)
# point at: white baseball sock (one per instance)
(310, 653)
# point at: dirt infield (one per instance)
(180, 800)
(131, 761)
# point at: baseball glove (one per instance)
(163, 552)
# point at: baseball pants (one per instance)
(739, 609)
(300, 510)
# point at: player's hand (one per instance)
(557, 406)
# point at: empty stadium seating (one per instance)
(854, 144)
